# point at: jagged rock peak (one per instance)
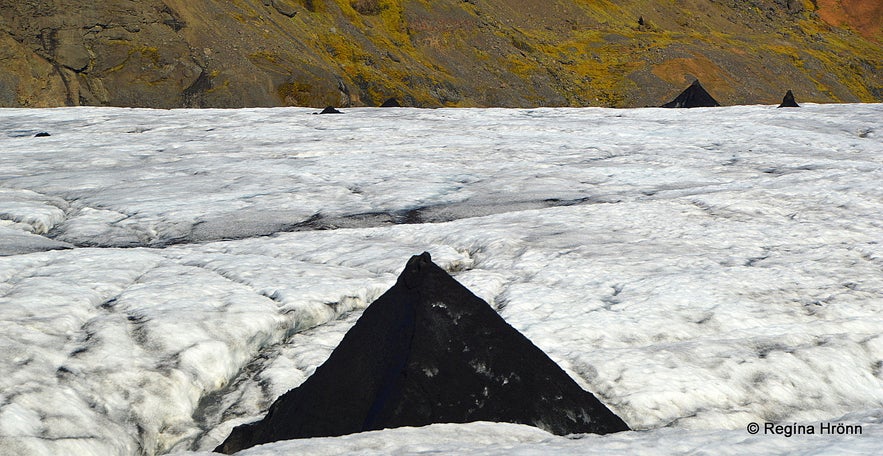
(429, 351)
(788, 101)
(694, 96)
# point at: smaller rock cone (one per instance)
(391, 103)
(789, 101)
(694, 96)
(330, 110)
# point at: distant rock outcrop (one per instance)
(694, 96)
(390, 103)
(789, 101)
(429, 351)
(330, 110)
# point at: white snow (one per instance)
(166, 274)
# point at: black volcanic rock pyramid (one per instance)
(429, 351)
(694, 96)
(788, 101)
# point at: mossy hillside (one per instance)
(135, 69)
(855, 62)
(591, 62)
(745, 53)
(371, 53)
(28, 80)
(456, 53)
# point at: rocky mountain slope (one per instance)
(237, 53)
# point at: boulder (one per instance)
(284, 8)
(70, 49)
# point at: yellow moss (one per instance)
(595, 66)
(837, 58)
(342, 48)
(149, 52)
(215, 87)
(784, 49)
(392, 18)
(246, 11)
(295, 93)
(347, 9)
(264, 55)
(520, 66)
(116, 68)
(605, 11)
(675, 71)
(845, 74)
(388, 20)
(387, 33)
(481, 55)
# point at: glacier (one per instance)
(166, 274)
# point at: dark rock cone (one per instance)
(694, 96)
(789, 101)
(429, 351)
(391, 103)
(42, 134)
(330, 110)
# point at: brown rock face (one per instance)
(204, 53)
(105, 53)
(863, 16)
(68, 48)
